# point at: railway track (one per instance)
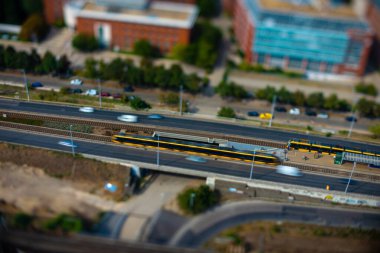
(101, 138)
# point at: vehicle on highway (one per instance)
(129, 89)
(288, 170)
(196, 159)
(322, 115)
(37, 85)
(280, 109)
(265, 115)
(86, 109)
(295, 111)
(91, 92)
(67, 144)
(200, 148)
(155, 116)
(253, 114)
(128, 118)
(76, 82)
(351, 118)
(310, 113)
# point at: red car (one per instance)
(105, 94)
(116, 96)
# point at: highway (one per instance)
(184, 123)
(178, 160)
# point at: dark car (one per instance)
(76, 91)
(253, 114)
(37, 85)
(116, 96)
(311, 113)
(129, 89)
(280, 109)
(105, 94)
(351, 118)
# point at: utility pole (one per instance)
(100, 93)
(180, 99)
(352, 124)
(272, 111)
(72, 143)
(349, 180)
(253, 161)
(158, 150)
(26, 84)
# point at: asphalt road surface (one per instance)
(252, 132)
(178, 160)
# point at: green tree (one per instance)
(198, 200)
(375, 130)
(344, 106)
(162, 77)
(365, 107)
(114, 70)
(227, 112)
(49, 63)
(145, 49)
(10, 59)
(299, 98)
(332, 102)
(64, 223)
(90, 68)
(193, 83)
(2, 52)
(21, 220)
(84, 42)
(367, 89)
(138, 104)
(23, 61)
(33, 6)
(231, 89)
(34, 28)
(35, 59)
(179, 52)
(63, 65)
(65, 90)
(284, 96)
(176, 77)
(207, 8)
(316, 100)
(267, 93)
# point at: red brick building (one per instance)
(373, 16)
(53, 10)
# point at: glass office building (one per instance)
(303, 40)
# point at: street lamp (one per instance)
(72, 143)
(349, 180)
(253, 161)
(100, 93)
(158, 150)
(180, 99)
(272, 111)
(192, 197)
(26, 84)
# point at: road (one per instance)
(236, 169)
(201, 228)
(184, 123)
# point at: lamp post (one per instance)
(352, 123)
(72, 143)
(158, 150)
(192, 197)
(272, 111)
(253, 161)
(349, 180)
(26, 84)
(180, 99)
(100, 93)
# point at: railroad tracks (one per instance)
(150, 130)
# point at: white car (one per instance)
(86, 109)
(322, 115)
(91, 92)
(288, 170)
(128, 118)
(295, 111)
(76, 82)
(67, 144)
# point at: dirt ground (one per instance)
(292, 237)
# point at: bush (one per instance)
(227, 112)
(21, 220)
(231, 89)
(65, 90)
(368, 108)
(197, 200)
(64, 223)
(375, 130)
(145, 49)
(367, 89)
(138, 104)
(85, 43)
(169, 99)
(34, 28)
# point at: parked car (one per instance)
(76, 91)
(295, 111)
(265, 115)
(351, 118)
(116, 96)
(76, 82)
(91, 92)
(37, 85)
(129, 89)
(323, 115)
(280, 109)
(310, 113)
(253, 114)
(128, 118)
(86, 109)
(105, 94)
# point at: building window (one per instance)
(295, 63)
(313, 66)
(261, 59)
(329, 68)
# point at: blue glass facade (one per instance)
(298, 37)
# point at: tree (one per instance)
(176, 77)
(63, 65)
(375, 130)
(65, 90)
(179, 52)
(145, 49)
(35, 59)
(231, 89)
(207, 8)
(299, 98)
(367, 89)
(227, 112)
(34, 28)
(84, 42)
(193, 83)
(23, 61)
(2, 52)
(32, 6)
(49, 63)
(316, 100)
(90, 68)
(284, 96)
(115, 69)
(332, 102)
(138, 104)
(198, 200)
(267, 93)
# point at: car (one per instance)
(105, 94)
(196, 159)
(288, 171)
(280, 109)
(76, 82)
(295, 111)
(86, 109)
(310, 113)
(76, 91)
(322, 115)
(91, 92)
(129, 89)
(67, 144)
(128, 118)
(265, 115)
(116, 96)
(155, 116)
(253, 114)
(37, 85)
(351, 118)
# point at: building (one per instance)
(373, 16)
(53, 10)
(119, 24)
(319, 37)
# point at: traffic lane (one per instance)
(252, 132)
(178, 160)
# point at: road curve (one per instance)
(198, 230)
(184, 123)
